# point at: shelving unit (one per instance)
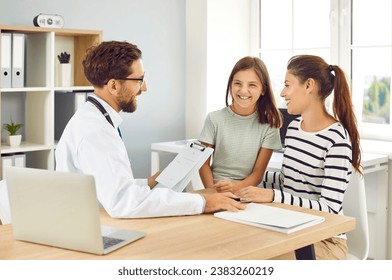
(34, 104)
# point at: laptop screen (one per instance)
(287, 118)
(59, 209)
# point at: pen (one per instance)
(243, 199)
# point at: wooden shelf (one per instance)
(25, 89)
(24, 147)
(34, 104)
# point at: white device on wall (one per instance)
(45, 20)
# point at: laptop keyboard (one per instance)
(110, 241)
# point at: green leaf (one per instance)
(12, 128)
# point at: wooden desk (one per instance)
(375, 167)
(201, 237)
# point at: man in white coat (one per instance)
(92, 143)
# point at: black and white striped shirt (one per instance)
(316, 168)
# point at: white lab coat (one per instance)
(91, 145)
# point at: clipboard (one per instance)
(184, 166)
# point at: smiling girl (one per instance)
(244, 133)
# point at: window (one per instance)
(370, 48)
(355, 34)
(292, 34)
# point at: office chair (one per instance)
(5, 215)
(354, 205)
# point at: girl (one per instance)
(321, 149)
(244, 133)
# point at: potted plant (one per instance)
(13, 139)
(64, 69)
(64, 57)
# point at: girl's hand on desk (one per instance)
(256, 194)
(225, 186)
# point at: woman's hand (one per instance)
(256, 194)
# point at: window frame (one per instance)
(341, 46)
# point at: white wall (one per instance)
(158, 28)
(195, 66)
(189, 48)
(217, 36)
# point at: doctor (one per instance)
(92, 143)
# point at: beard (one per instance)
(129, 106)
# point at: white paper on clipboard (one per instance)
(184, 166)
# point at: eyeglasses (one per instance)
(140, 80)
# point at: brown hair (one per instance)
(266, 104)
(310, 66)
(109, 60)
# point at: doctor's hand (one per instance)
(222, 201)
(151, 181)
(225, 186)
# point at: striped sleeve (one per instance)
(272, 180)
(317, 171)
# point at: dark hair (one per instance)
(109, 60)
(310, 66)
(266, 104)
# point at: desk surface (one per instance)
(202, 237)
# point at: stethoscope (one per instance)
(103, 111)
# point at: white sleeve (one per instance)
(105, 157)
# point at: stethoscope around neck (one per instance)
(103, 111)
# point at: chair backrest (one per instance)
(354, 205)
(5, 213)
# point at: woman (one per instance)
(321, 149)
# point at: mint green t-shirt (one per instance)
(237, 140)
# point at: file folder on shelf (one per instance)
(17, 159)
(20, 160)
(5, 60)
(18, 57)
(6, 161)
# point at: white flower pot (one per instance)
(65, 75)
(14, 140)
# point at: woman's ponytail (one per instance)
(343, 110)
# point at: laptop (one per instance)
(60, 209)
(287, 119)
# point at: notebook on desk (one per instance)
(60, 209)
(272, 218)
